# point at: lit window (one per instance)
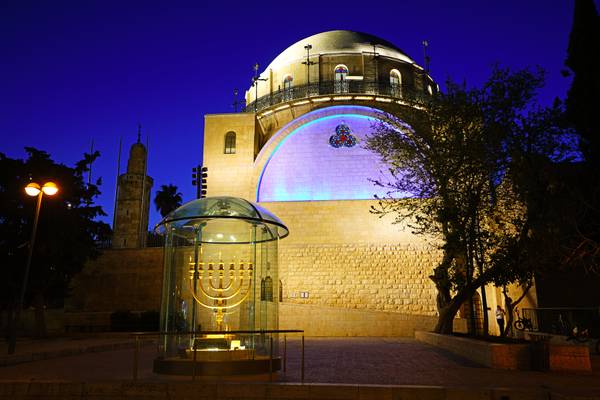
(430, 90)
(230, 143)
(395, 83)
(287, 88)
(340, 83)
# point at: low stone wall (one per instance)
(337, 321)
(538, 355)
(244, 391)
(573, 358)
(493, 355)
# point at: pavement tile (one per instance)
(331, 392)
(375, 392)
(288, 391)
(418, 393)
(242, 390)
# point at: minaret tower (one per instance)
(133, 200)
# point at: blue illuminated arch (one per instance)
(303, 166)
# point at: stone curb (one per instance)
(274, 391)
(69, 351)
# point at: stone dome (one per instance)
(337, 41)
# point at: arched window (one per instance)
(430, 90)
(230, 143)
(266, 289)
(395, 83)
(287, 87)
(340, 82)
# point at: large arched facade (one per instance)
(302, 155)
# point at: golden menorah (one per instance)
(220, 288)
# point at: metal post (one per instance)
(136, 353)
(194, 363)
(284, 354)
(12, 343)
(271, 358)
(302, 363)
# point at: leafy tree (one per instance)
(167, 199)
(455, 171)
(67, 231)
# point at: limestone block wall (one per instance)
(367, 277)
(338, 254)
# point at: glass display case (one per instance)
(220, 288)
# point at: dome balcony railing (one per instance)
(359, 90)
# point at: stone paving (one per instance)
(383, 361)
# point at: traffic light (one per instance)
(199, 175)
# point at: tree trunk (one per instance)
(511, 305)
(40, 316)
(486, 321)
(446, 316)
(447, 313)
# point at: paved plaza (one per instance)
(380, 361)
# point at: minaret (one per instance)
(133, 201)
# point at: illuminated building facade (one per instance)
(298, 150)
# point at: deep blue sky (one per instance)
(73, 71)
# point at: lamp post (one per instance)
(32, 189)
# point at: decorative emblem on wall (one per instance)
(342, 137)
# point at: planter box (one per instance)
(538, 355)
(493, 355)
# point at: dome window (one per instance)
(430, 90)
(395, 83)
(340, 82)
(287, 87)
(230, 143)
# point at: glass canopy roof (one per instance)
(223, 220)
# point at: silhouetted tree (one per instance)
(167, 199)
(583, 103)
(67, 233)
(583, 59)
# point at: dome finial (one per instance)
(139, 133)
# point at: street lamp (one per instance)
(32, 189)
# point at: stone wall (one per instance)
(367, 277)
(120, 279)
(340, 255)
(335, 321)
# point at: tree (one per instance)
(583, 103)
(67, 232)
(583, 59)
(454, 171)
(167, 199)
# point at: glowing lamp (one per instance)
(32, 189)
(50, 188)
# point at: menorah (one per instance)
(221, 289)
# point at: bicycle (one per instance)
(522, 323)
